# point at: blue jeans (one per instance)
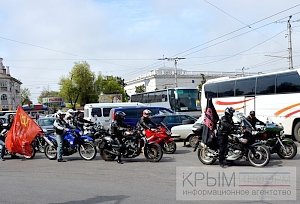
(2, 149)
(59, 140)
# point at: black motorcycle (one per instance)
(272, 136)
(132, 145)
(241, 145)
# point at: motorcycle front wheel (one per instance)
(153, 152)
(50, 152)
(261, 157)
(206, 156)
(106, 155)
(287, 151)
(87, 151)
(169, 148)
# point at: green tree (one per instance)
(25, 96)
(78, 87)
(140, 89)
(47, 93)
(114, 85)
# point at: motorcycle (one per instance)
(73, 141)
(95, 131)
(272, 136)
(241, 145)
(33, 150)
(162, 136)
(132, 145)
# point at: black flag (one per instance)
(209, 122)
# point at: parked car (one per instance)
(185, 132)
(133, 114)
(46, 123)
(173, 120)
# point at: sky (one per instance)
(40, 40)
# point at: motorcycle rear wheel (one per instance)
(153, 152)
(193, 140)
(87, 151)
(289, 151)
(169, 148)
(205, 158)
(261, 157)
(50, 152)
(106, 155)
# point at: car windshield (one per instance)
(46, 121)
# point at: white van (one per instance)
(99, 112)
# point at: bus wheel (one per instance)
(297, 131)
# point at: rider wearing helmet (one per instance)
(253, 119)
(117, 128)
(145, 122)
(224, 129)
(80, 122)
(60, 127)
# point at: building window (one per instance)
(3, 97)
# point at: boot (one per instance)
(119, 160)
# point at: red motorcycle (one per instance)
(162, 136)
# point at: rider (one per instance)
(145, 122)
(118, 127)
(253, 119)
(60, 128)
(80, 121)
(224, 129)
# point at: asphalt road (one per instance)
(136, 181)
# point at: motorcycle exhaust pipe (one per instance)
(48, 141)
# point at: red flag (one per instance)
(21, 133)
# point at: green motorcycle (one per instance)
(272, 136)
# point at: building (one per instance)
(9, 89)
(167, 78)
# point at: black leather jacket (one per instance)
(145, 123)
(117, 128)
(226, 125)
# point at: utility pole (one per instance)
(290, 43)
(175, 59)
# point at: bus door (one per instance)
(249, 104)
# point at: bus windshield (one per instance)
(186, 100)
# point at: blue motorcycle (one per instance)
(74, 141)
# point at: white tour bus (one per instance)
(273, 96)
(177, 99)
(99, 112)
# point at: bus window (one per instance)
(265, 85)
(226, 89)
(245, 87)
(288, 83)
(211, 90)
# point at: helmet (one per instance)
(229, 111)
(71, 111)
(252, 113)
(58, 113)
(68, 115)
(120, 115)
(146, 113)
